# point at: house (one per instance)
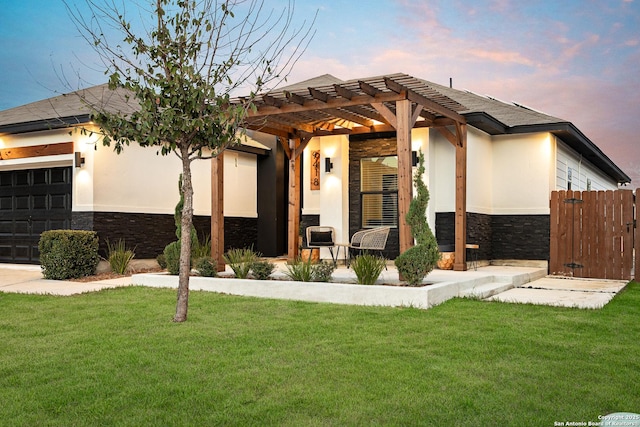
(323, 151)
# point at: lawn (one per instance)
(115, 358)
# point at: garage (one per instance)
(32, 201)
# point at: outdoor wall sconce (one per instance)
(414, 158)
(78, 160)
(327, 164)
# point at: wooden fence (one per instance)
(592, 234)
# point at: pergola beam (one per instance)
(423, 100)
(397, 102)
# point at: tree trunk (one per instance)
(185, 240)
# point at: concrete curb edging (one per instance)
(339, 293)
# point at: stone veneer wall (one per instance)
(521, 236)
(382, 145)
(150, 233)
(307, 221)
(499, 236)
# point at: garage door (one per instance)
(32, 201)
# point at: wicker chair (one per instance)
(320, 236)
(373, 239)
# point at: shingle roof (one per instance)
(508, 114)
(485, 113)
(63, 110)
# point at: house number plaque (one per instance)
(315, 170)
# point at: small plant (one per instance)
(201, 249)
(300, 271)
(172, 257)
(305, 271)
(162, 261)
(207, 267)
(240, 261)
(368, 268)
(262, 269)
(119, 256)
(322, 271)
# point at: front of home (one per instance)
(348, 166)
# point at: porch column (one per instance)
(217, 210)
(405, 182)
(294, 199)
(460, 263)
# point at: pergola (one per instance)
(396, 102)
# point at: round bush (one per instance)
(68, 254)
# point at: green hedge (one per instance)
(68, 254)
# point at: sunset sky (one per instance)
(577, 60)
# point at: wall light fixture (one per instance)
(328, 165)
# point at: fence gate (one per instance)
(592, 234)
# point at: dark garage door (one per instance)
(32, 201)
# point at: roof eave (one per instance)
(45, 124)
(574, 138)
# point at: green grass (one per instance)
(115, 358)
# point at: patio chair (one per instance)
(373, 239)
(320, 236)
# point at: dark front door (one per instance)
(32, 201)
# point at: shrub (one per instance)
(207, 267)
(240, 261)
(119, 256)
(162, 261)
(305, 271)
(368, 268)
(416, 262)
(68, 254)
(172, 257)
(262, 269)
(322, 271)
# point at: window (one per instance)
(379, 191)
(569, 178)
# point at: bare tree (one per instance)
(180, 73)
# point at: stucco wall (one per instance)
(520, 173)
(138, 180)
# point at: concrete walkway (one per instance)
(564, 292)
(27, 279)
(494, 283)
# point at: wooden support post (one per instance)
(217, 210)
(405, 183)
(294, 200)
(460, 263)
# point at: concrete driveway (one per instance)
(27, 279)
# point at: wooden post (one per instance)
(636, 238)
(405, 183)
(294, 200)
(460, 263)
(217, 210)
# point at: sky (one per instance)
(576, 60)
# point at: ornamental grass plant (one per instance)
(119, 256)
(367, 268)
